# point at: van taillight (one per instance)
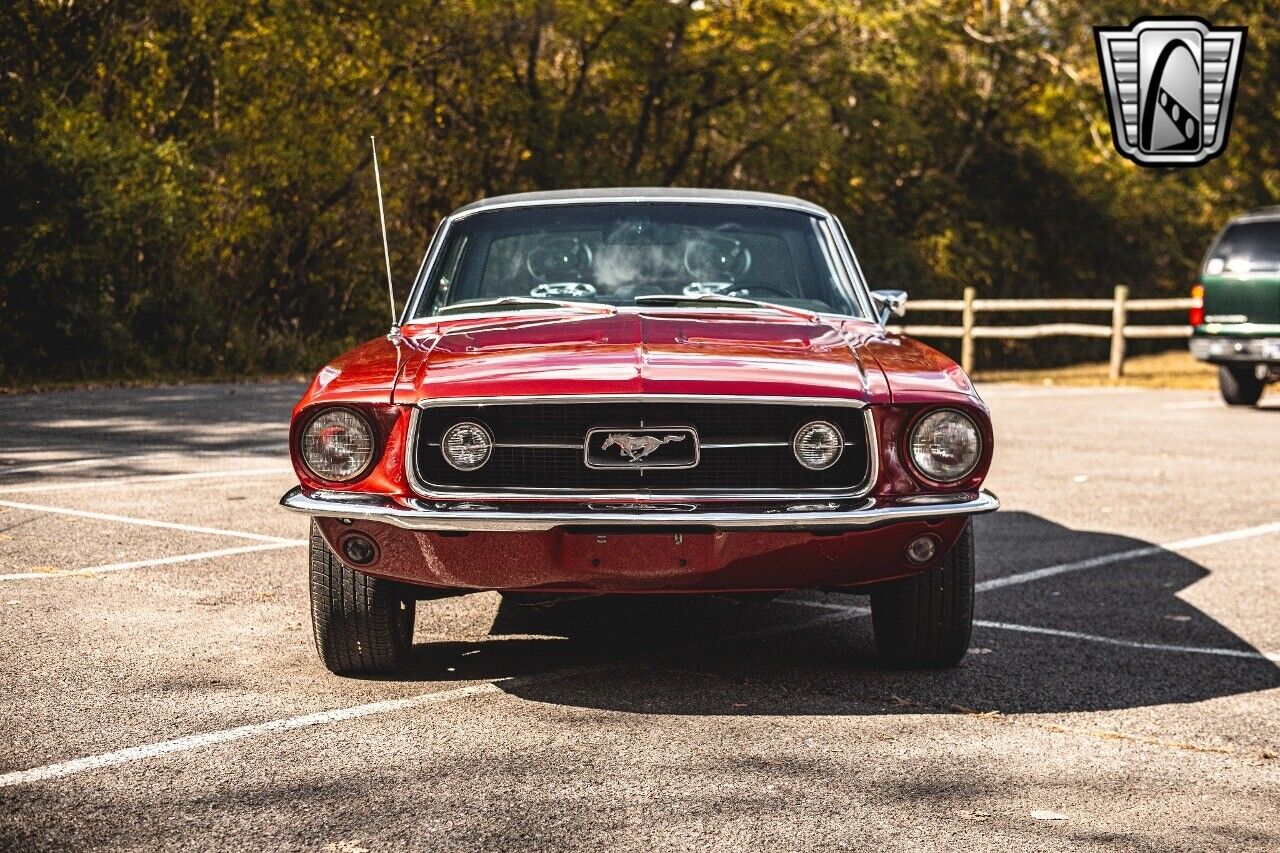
(1196, 315)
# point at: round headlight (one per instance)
(817, 445)
(337, 445)
(946, 445)
(466, 445)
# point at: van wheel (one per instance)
(363, 625)
(924, 621)
(1239, 384)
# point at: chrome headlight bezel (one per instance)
(467, 465)
(928, 470)
(365, 454)
(807, 429)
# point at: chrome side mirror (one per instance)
(889, 303)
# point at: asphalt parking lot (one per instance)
(161, 689)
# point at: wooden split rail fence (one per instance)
(1119, 330)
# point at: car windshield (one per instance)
(701, 256)
(1246, 247)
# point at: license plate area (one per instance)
(639, 554)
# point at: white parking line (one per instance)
(156, 561)
(1253, 654)
(1065, 568)
(1132, 644)
(336, 715)
(1194, 404)
(145, 522)
(190, 742)
(72, 463)
(1131, 554)
(855, 609)
(238, 450)
(145, 479)
(1224, 536)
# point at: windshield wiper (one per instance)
(721, 299)
(531, 301)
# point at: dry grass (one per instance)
(1175, 369)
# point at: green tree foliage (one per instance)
(187, 184)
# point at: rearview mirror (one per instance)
(889, 303)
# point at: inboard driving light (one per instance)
(337, 445)
(946, 445)
(817, 445)
(922, 549)
(359, 549)
(466, 445)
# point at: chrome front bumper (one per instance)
(1230, 348)
(446, 517)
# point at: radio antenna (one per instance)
(386, 251)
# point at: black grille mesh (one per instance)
(734, 469)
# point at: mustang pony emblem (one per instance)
(637, 447)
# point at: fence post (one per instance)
(1119, 316)
(966, 330)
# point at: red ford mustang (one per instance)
(641, 391)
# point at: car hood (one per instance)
(701, 352)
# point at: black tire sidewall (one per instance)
(926, 620)
(1239, 384)
(363, 625)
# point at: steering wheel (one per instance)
(750, 290)
(717, 258)
(559, 259)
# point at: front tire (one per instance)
(924, 621)
(363, 625)
(1239, 384)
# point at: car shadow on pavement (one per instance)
(800, 655)
(119, 427)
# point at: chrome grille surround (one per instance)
(426, 489)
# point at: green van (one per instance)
(1237, 324)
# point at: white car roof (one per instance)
(625, 194)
